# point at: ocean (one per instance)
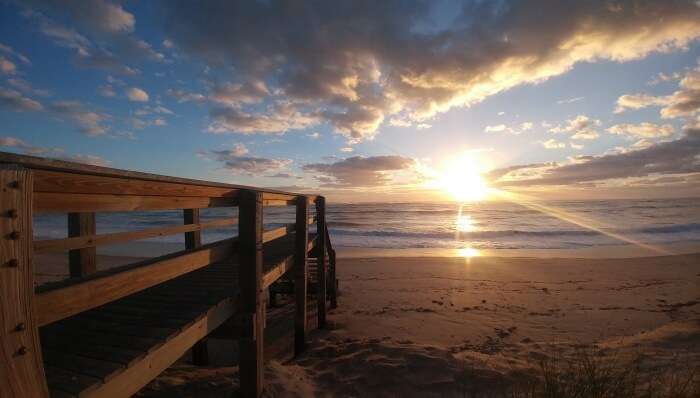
(484, 225)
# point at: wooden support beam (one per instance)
(321, 249)
(21, 365)
(252, 302)
(82, 262)
(193, 240)
(301, 274)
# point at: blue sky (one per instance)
(208, 94)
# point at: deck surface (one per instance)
(83, 353)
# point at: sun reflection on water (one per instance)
(468, 252)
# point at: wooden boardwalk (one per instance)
(109, 333)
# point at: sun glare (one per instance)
(462, 181)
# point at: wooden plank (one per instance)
(53, 202)
(70, 382)
(128, 382)
(276, 202)
(80, 242)
(56, 181)
(277, 271)
(252, 302)
(301, 274)
(21, 364)
(111, 285)
(277, 233)
(82, 262)
(279, 196)
(103, 370)
(321, 268)
(193, 240)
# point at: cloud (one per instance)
(184, 96)
(15, 101)
(99, 16)
(11, 51)
(642, 130)
(107, 90)
(553, 144)
(569, 100)
(685, 102)
(237, 94)
(26, 87)
(278, 119)
(581, 127)
(238, 161)
(357, 64)
(680, 156)
(136, 94)
(495, 129)
(88, 122)
(6, 66)
(346, 149)
(314, 136)
(57, 153)
(638, 101)
(358, 171)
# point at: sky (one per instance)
(363, 100)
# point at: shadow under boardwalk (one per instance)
(117, 348)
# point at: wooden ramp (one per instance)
(116, 349)
(109, 333)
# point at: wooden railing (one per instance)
(32, 185)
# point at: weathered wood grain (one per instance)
(104, 287)
(53, 202)
(80, 242)
(83, 261)
(252, 304)
(21, 366)
(301, 274)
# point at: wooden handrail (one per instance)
(55, 302)
(42, 246)
(37, 163)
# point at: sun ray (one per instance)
(531, 203)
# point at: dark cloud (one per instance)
(358, 170)
(89, 122)
(680, 156)
(15, 101)
(239, 161)
(355, 63)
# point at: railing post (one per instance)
(251, 308)
(321, 273)
(82, 262)
(21, 365)
(301, 272)
(193, 239)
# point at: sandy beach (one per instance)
(455, 326)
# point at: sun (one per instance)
(462, 180)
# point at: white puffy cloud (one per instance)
(136, 94)
(581, 127)
(553, 144)
(642, 130)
